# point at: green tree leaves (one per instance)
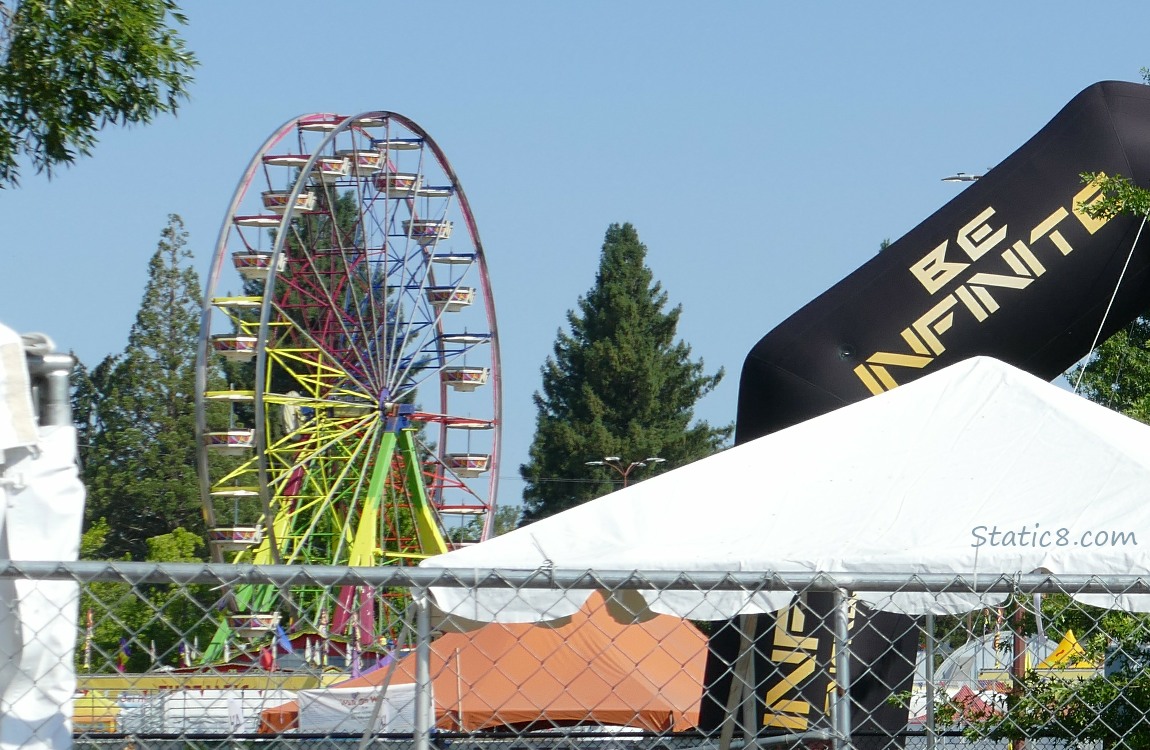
(150, 623)
(618, 384)
(70, 67)
(1117, 375)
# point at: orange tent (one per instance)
(586, 669)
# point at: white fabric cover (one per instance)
(353, 709)
(41, 510)
(892, 484)
(17, 420)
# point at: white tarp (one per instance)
(978, 469)
(334, 710)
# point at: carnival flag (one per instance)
(122, 655)
(283, 640)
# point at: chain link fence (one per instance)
(176, 655)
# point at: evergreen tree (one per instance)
(141, 473)
(618, 385)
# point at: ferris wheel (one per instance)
(359, 420)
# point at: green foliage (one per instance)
(1107, 709)
(618, 384)
(1117, 195)
(1117, 375)
(150, 621)
(178, 545)
(92, 540)
(506, 519)
(70, 67)
(141, 470)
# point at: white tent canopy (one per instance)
(978, 469)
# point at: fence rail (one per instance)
(87, 571)
(181, 655)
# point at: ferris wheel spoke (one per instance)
(356, 280)
(342, 446)
(316, 369)
(313, 510)
(424, 341)
(320, 294)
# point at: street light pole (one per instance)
(616, 464)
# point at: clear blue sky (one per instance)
(762, 149)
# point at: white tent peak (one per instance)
(978, 468)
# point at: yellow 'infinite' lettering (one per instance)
(791, 715)
(1046, 226)
(937, 321)
(784, 640)
(976, 238)
(877, 378)
(790, 647)
(1022, 261)
(789, 712)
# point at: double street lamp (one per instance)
(615, 463)
(962, 177)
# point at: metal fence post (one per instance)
(842, 704)
(928, 656)
(424, 711)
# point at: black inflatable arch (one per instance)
(1011, 268)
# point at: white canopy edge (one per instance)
(465, 610)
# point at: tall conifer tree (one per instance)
(141, 473)
(618, 384)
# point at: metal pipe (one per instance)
(931, 734)
(51, 387)
(842, 704)
(424, 714)
(559, 578)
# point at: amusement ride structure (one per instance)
(358, 422)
